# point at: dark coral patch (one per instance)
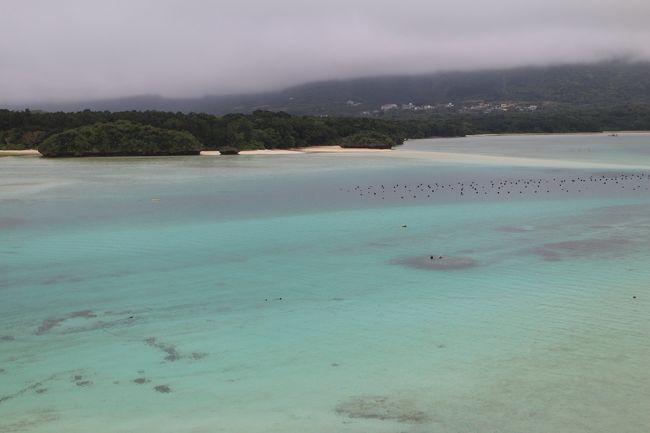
(62, 279)
(86, 314)
(163, 389)
(557, 251)
(51, 323)
(514, 229)
(437, 262)
(382, 408)
(170, 350)
(8, 223)
(48, 324)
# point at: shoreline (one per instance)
(444, 156)
(301, 151)
(339, 149)
(270, 152)
(295, 151)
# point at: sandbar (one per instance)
(515, 161)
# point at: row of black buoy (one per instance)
(632, 182)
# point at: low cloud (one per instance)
(78, 49)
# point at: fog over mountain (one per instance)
(70, 50)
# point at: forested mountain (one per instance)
(577, 85)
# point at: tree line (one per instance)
(278, 130)
(259, 130)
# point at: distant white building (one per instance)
(387, 107)
(408, 106)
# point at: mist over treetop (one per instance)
(603, 84)
(86, 49)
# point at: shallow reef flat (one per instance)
(304, 294)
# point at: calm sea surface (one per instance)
(328, 293)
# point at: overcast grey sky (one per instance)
(77, 49)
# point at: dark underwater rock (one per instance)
(229, 151)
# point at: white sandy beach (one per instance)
(28, 152)
(339, 149)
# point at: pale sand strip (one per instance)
(28, 152)
(444, 157)
(473, 158)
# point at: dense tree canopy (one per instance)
(259, 130)
(271, 130)
(370, 139)
(119, 138)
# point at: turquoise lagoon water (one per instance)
(297, 293)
